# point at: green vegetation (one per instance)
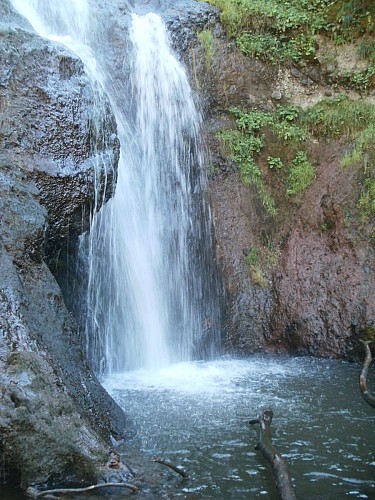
(362, 148)
(256, 272)
(252, 258)
(244, 145)
(275, 163)
(301, 174)
(338, 117)
(255, 266)
(271, 149)
(273, 30)
(366, 49)
(260, 260)
(287, 131)
(206, 38)
(353, 119)
(361, 80)
(278, 31)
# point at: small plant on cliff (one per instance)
(366, 202)
(339, 116)
(252, 257)
(256, 272)
(206, 38)
(275, 163)
(362, 149)
(260, 260)
(301, 174)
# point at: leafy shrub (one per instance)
(290, 132)
(251, 122)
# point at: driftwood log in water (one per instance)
(283, 482)
(33, 493)
(171, 466)
(367, 396)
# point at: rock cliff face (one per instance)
(320, 293)
(324, 289)
(47, 168)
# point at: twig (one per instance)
(68, 491)
(171, 466)
(367, 396)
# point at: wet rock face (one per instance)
(318, 299)
(48, 162)
(236, 221)
(48, 130)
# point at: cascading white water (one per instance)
(151, 285)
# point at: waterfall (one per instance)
(152, 295)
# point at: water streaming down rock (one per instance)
(152, 285)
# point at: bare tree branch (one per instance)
(282, 479)
(171, 466)
(367, 396)
(33, 493)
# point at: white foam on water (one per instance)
(218, 376)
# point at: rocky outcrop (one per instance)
(54, 413)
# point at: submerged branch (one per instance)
(171, 466)
(33, 493)
(367, 396)
(282, 479)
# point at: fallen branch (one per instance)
(171, 466)
(367, 396)
(68, 491)
(283, 482)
